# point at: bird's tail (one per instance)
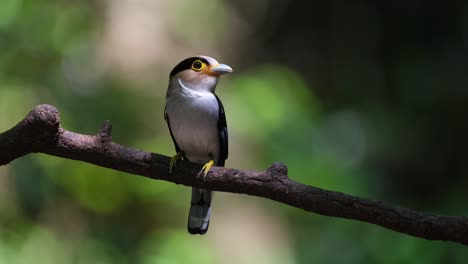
(200, 211)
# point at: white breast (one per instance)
(193, 118)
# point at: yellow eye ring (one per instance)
(197, 65)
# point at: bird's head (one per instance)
(200, 73)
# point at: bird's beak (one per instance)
(220, 69)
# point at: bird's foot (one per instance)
(173, 161)
(206, 168)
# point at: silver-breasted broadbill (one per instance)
(197, 123)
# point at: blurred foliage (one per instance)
(367, 99)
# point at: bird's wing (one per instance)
(223, 134)
(166, 117)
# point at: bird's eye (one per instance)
(197, 65)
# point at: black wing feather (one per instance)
(223, 134)
(166, 117)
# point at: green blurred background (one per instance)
(363, 98)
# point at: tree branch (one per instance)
(40, 131)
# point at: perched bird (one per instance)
(197, 123)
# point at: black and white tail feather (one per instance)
(200, 211)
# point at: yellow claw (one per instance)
(173, 161)
(206, 168)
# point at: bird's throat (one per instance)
(197, 90)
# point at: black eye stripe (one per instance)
(187, 64)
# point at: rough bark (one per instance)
(40, 132)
